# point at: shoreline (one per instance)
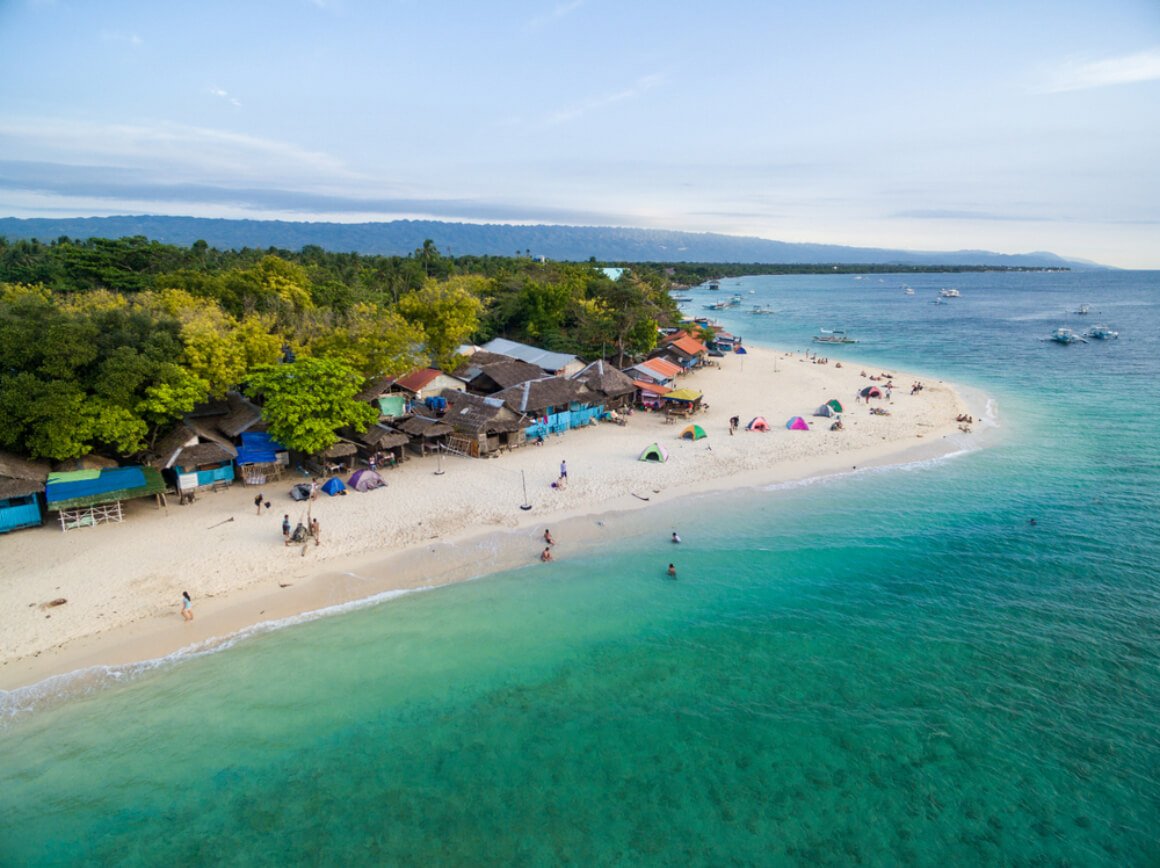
(463, 538)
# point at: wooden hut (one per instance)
(553, 405)
(425, 433)
(21, 487)
(483, 426)
(197, 454)
(613, 388)
(84, 499)
(497, 376)
(381, 446)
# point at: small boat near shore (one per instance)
(950, 293)
(833, 336)
(1084, 309)
(759, 310)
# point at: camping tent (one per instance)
(693, 432)
(835, 405)
(797, 423)
(871, 392)
(740, 350)
(301, 491)
(365, 480)
(757, 423)
(334, 486)
(825, 410)
(654, 452)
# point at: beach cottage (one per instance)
(426, 433)
(21, 487)
(84, 498)
(197, 455)
(553, 405)
(683, 350)
(610, 387)
(483, 425)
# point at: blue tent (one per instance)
(333, 486)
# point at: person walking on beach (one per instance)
(186, 606)
(286, 529)
(314, 530)
(564, 470)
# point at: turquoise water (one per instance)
(891, 667)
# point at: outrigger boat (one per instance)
(1101, 333)
(1064, 335)
(762, 311)
(833, 336)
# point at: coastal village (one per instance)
(505, 395)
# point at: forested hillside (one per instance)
(105, 343)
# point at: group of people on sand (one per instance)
(299, 534)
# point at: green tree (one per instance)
(373, 341)
(305, 402)
(448, 313)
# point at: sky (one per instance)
(916, 124)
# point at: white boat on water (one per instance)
(1101, 333)
(950, 293)
(762, 311)
(833, 336)
(1084, 309)
(1064, 335)
(908, 290)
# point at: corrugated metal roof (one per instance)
(546, 359)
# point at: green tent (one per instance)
(654, 452)
(835, 405)
(693, 432)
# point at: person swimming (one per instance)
(672, 571)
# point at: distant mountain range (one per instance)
(570, 243)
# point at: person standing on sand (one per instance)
(186, 606)
(258, 502)
(286, 529)
(314, 530)
(564, 470)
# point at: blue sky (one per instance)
(926, 125)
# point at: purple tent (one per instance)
(797, 423)
(366, 480)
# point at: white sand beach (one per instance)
(123, 582)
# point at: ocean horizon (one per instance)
(950, 660)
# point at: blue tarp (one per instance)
(333, 486)
(258, 447)
(112, 479)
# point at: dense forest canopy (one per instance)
(105, 343)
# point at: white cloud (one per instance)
(638, 88)
(1084, 74)
(218, 92)
(177, 148)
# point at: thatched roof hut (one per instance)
(20, 477)
(606, 381)
(545, 396)
(497, 376)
